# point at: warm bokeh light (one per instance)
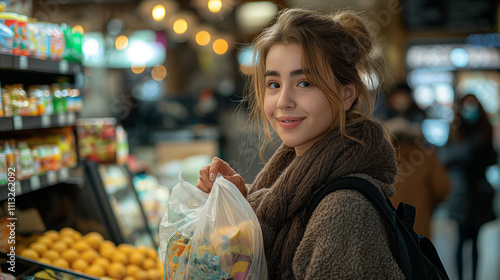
(78, 29)
(180, 26)
(202, 38)
(220, 46)
(137, 69)
(121, 42)
(158, 12)
(159, 73)
(214, 6)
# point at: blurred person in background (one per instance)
(422, 180)
(467, 154)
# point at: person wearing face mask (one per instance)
(467, 154)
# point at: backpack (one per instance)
(417, 257)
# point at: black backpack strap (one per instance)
(361, 185)
(375, 196)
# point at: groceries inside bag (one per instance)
(215, 236)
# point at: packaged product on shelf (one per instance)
(57, 42)
(43, 47)
(7, 103)
(48, 100)
(9, 156)
(26, 160)
(73, 51)
(34, 37)
(21, 36)
(74, 101)
(59, 99)
(9, 21)
(102, 140)
(3, 165)
(1, 103)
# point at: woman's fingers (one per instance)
(208, 174)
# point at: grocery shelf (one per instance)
(25, 63)
(36, 122)
(35, 182)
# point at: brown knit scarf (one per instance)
(288, 183)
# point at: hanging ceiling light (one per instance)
(157, 12)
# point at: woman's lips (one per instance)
(289, 122)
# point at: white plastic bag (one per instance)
(222, 239)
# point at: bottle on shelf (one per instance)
(3, 165)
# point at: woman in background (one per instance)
(467, 154)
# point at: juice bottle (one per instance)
(7, 102)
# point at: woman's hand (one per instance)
(209, 172)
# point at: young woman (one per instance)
(310, 85)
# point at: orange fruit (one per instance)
(116, 270)
(151, 253)
(80, 246)
(68, 239)
(66, 231)
(59, 246)
(107, 244)
(141, 275)
(44, 260)
(51, 234)
(30, 254)
(143, 249)
(79, 265)
(148, 264)
(119, 257)
(70, 255)
(95, 270)
(107, 252)
(94, 239)
(125, 248)
(132, 269)
(101, 261)
(89, 255)
(61, 263)
(136, 257)
(51, 254)
(45, 240)
(77, 235)
(153, 274)
(129, 278)
(39, 247)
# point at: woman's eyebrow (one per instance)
(297, 72)
(271, 73)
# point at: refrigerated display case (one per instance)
(119, 204)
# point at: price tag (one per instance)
(18, 122)
(23, 62)
(35, 182)
(19, 189)
(63, 66)
(63, 174)
(71, 118)
(51, 177)
(61, 119)
(45, 121)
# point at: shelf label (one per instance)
(61, 119)
(63, 174)
(18, 122)
(35, 182)
(19, 189)
(51, 177)
(23, 62)
(71, 118)
(63, 66)
(45, 121)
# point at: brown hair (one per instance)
(461, 130)
(337, 49)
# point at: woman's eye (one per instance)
(273, 85)
(305, 84)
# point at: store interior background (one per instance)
(179, 102)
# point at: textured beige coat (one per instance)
(329, 251)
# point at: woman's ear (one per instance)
(350, 95)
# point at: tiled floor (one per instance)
(444, 237)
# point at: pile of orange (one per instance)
(93, 255)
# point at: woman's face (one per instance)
(299, 112)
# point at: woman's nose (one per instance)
(285, 100)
